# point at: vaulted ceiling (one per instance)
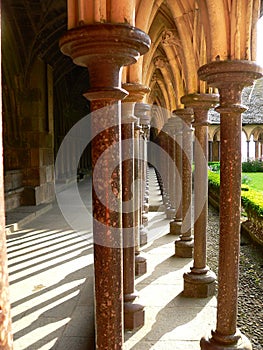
(32, 28)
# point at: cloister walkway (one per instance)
(51, 286)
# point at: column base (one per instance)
(198, 285)
(170, 213)
(175, 227)
(143, 237)
(184, 249)
(133, 316)
(242, 343)
(140, 265)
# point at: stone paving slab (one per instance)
(51, 287)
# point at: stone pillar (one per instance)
(176, 223)
(200, 282)
(136, 94)
(256, 149)
(218, 150)
(171, 210)
(230, 77)
(142, 112)
(210, 151)
(104, 49)
(248, 141)
(163, 141)
(6, 337)
(184, 246)
(133, 313)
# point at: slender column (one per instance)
(210, 150)
(170, 211)
(92, 47)
(163, 143)
(142, 112)
(256, 149)
(184, 246)
(200, 282)
(230, 77)
(136, 94)
(133, 312)
(248, 141)
(218, 150)
(176, 223)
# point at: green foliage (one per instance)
(214, 166)
(214, 179)
(252, 200)
(252, 166)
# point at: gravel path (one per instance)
(250, 303)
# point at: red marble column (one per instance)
(142, 112)
(171, 209)
(133, 312)
(6, 337)
(104, 49)
(163, 141)
(184, 246)
(176, 223)
(136, 94)
(230, 77)
(200, 282)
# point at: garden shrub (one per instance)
(214, 166)
(252, 166)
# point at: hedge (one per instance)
(251, 200)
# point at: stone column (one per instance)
(176, 223)
(104, 49)
(256, 149)
(200, 282)
(210, 151)
(163, 168)
(136, 94)
(171, 168)
(6, 337)
(230, 77)
(184, 246)
(218, 150)
(133, 312)
(142, 112)
(248, 141)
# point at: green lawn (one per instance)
(255, 180)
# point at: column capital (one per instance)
(185, 114)
(200, 101)
(136, 92)
(104, 48)
(142, 110)
(230, 77)
(232, 72)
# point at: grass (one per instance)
(255, 181)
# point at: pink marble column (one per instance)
(230, 77)
(171, 209)
(136, 94)
(200, 281)
(104, 49)
(142, 111)
(176, 223)
(133, 312)
(184, 245)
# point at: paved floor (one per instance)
(51, 286)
